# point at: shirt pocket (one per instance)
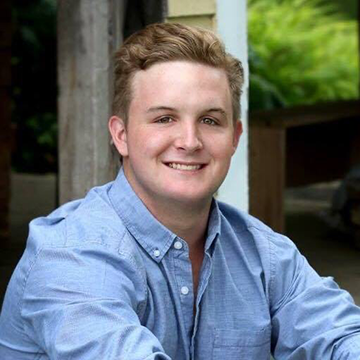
(235, 344)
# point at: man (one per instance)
(150, 266)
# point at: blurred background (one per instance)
(303, 119)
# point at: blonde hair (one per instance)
(172, 42)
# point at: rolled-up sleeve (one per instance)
(312, 318)
(83, 302)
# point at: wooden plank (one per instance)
(87, 35)
(267, 174)
(306, 115)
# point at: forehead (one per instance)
(181, 82)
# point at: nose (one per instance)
(189, 137)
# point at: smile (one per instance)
(177, 166)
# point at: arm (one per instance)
(82, 303)
(311, 317)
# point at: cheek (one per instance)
(148, 143)
(221, 148)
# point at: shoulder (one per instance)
(82, 239)
(80, 251)
(241, 221)
(277, 252)
(91, 220)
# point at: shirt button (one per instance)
(156, 253)
(178, 245)
(184, 290)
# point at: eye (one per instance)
(209, 121)
(165, 120)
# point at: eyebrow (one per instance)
(220, 110)
(169, 108)
(159, 108)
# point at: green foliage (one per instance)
(34, 85)
(301, 52)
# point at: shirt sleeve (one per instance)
(82, 303)
(312, 318)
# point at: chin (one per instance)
(191, 197)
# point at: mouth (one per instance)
(185, 167)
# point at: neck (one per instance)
(188, 221)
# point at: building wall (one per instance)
(200, 12)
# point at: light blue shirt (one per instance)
(101, 278)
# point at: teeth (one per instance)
(184, 167)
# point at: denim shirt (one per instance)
(101, 278)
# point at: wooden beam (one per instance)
(88, 33)
(306, 115)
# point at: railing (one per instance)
(299, 146)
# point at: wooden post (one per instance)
(267, 175)
(5, 116)
(88, 33)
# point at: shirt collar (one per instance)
(214, 226)
(153, 236)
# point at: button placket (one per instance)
(203, 283)
(184, 290)
(183, 274)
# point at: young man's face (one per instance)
(180, 137)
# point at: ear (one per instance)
(118, 133)
(238, 130)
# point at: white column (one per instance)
(232, 28)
